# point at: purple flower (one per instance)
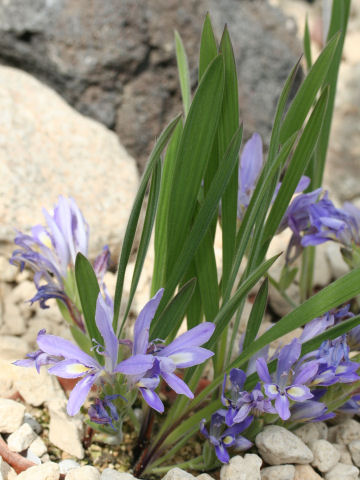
(241, 403)
(51, 251)
(69, 361)
(251, 163)
(287, 384)
(352, 405)
(354, 215)
(223, 438)
(320, 324)
(310, 411)
(103, 411)
(150, 361)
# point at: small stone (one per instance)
(83, 473)
(11, 415)
(67, 465)
(354, 448)
(308, 433)
(204, 476)
(45, 471)
(247, 468)
(38, 388)
(322, 428)
(111, 474)
(22, 438)
(38, 447)
(5, 469)
(305, 472)
(326, 456)
(332, 433)
(348, 431)
(13, 348)
(177, 474)
(345, 456)
(14, 322)
(280, 472)
(65, 432)
(34, 424)
(278, 446)
(343, 472)
(33, 458)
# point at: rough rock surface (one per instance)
(45, 142)
(83, 473)
(11, 415)
(278, 446)
(345, 472)
(244, 468)
(46, 471)
(305, 472)
(177, 474)
(115, 61)
(22, 438)
(111, 474)
(279, 472)
(348, 431)
(326, 456)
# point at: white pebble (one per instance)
(46, 471)
(83, 473)
(342, 472)
(326, 456)
(11, 415)
(22, 438)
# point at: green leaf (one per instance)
(306, 94)
(88, 288)
(81, 339)
(192, 156)
(229, 308)
(134, 216)
(194, 309)
(338, 25)
(229, 123)
(307, 44)
(287, 277)
(145, 236)
(201, 223)
(208, 46)
(171, 317)
(296, 168)
(160, 242)
(338, 292)
(183, 69)
(256, 314)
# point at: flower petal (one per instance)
(79, 394)
(69, 369)
(178, 385)
(299, 393)
(60, 347)
(192, 338)
(262, 370)
(103, 319)
(222, 453)
(135, 365)
(152, 399)
(188, 357)
(287, 357)
(282, 407)
(142, 324)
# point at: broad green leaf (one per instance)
(256, 314)
(229, 308)
(307, 45)
(88, 288)
(192, 156)
(206, 273)
(306, 94)
(201, 222)
(229, 123)
(145, 235)
(160, 241)
(338, 26)
(183, 70)
(208, 46)
(302, 154)
(134, 216)
(171, 317)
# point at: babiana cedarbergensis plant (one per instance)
(199, 179)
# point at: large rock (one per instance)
(115, 61)
(48, 149)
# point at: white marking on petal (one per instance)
(45, 240)
(77, 368)
(295, 391)
(227, 440)
(273, 389)
(181, 357)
